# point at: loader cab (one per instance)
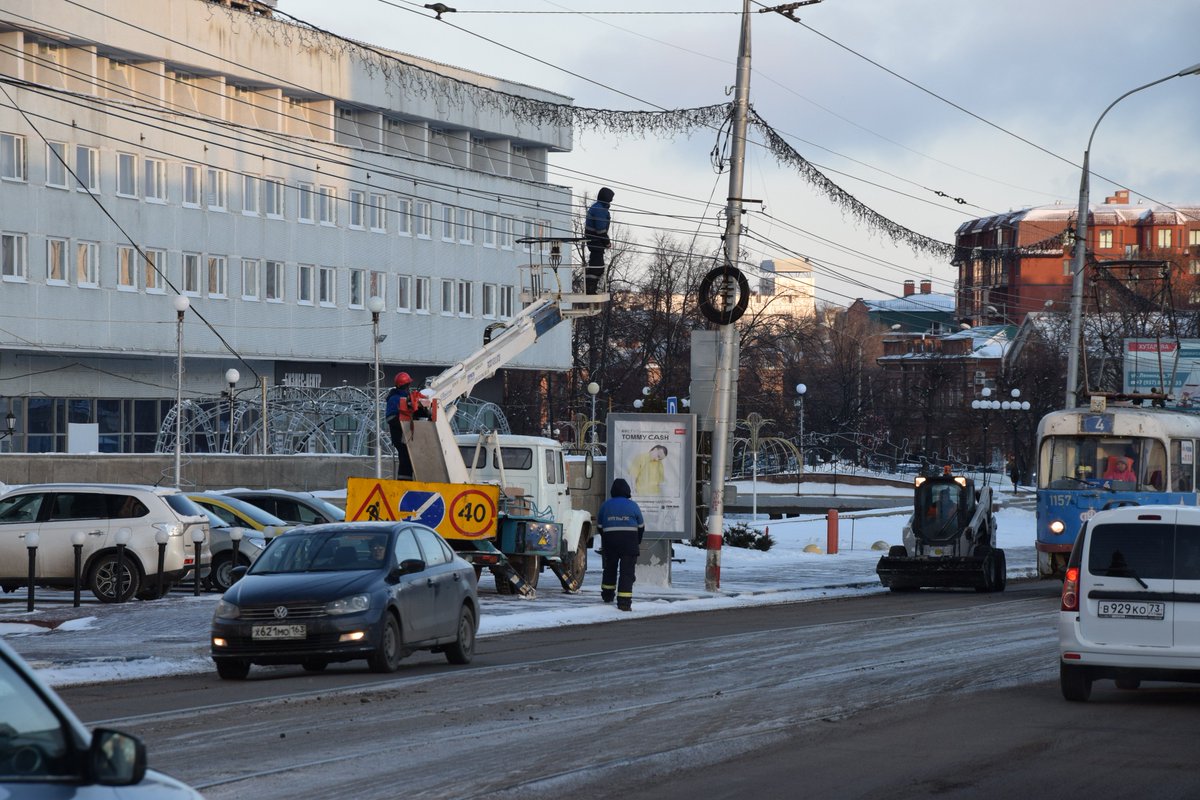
(943, 506)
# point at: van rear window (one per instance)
(1123, 550)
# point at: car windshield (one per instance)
(323, 551)
(33, 744)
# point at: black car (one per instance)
(345, 591)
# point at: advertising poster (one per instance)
(1171, 366)
(655, 454)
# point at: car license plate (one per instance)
(1125, 609)
(278, 632)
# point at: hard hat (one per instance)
(403, 379)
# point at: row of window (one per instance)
(260, 279)
(208, 187)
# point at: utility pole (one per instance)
(726, 336)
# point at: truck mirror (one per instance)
(589, 465)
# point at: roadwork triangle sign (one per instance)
(374, 505)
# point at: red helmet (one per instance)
(403, 379)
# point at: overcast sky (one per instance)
(1043, 70)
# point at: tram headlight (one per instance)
(1057, 527)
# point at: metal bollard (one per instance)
(197, 541)
(160, 538)
(77, 540)
(235, 537)
(31, 542)
(831, 532)
(122, 538)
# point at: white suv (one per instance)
(1131, 600)
(57, 512)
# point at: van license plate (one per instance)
(278, 632)
(1124, 609)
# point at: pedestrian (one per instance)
(1014, 472)
(402, 406)
(595, 230)
(621, 528)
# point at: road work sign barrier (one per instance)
(456, 511)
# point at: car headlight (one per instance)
(1057, 527)
(349, 605)
(226, 610)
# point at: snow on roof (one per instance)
(932, 303)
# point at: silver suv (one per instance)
(1131, 600)
(98, 514)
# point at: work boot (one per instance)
(607, 597)
(624, 605)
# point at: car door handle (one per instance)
(429, 582)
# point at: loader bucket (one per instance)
(917, 573)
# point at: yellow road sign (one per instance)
(456, 511)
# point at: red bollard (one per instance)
(831, 532)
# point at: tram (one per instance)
(1110, 454)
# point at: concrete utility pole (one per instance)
(726, 338)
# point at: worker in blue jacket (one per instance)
(595, 230)
(621, 528)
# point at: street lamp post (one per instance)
(593, 389)
(181, 306)
(988, 404)
(640, 403)
(1078, 255)
(231, 377)
(800, 390)
(375, 305)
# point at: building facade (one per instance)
(275, 176)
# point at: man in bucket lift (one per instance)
(595, 230)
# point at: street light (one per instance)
(10, 425)
(640, 403)
(231, 377)
(593, 389)
(181, 306)
(988, 404)
(1078, 255)
(800, 390)
(375, 305)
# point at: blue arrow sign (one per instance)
(428, 508)
(672, 405)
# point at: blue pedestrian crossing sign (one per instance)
(672, 405)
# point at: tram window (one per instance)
(1182, 465)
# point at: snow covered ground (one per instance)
(98, 643)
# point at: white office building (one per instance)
(275, 176)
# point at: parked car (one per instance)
(103, 515)
(45, 751)
(347, 591)
(250, 544)
(240, 512)
(1129, 600)
(296, 508)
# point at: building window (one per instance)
(1194, 266)
(56, 261)
(1193, 238)
(421, 294)
(378, 210)
(126, 175)
(488, 224)
(403, 212)
(529, 226)
(357, 285)
(192, 185)
(506, 302)
(377, 285)
(216, 189)
(448, 224)
(358, 209)
(489, 301)
(191, 274)
(249, 278)
(423, 219)
(327, 286)
(273, 197)
(12, 157)
(307, 192)
(466, 233)
(505, 234)
(155, 270)
(404, 293)
(56, 165)
(126, 269)
(1066, 266)
(250, 195)
(87, 168)
(273, 283)
(543, 233)
(1106, 238)
(304, 285)
(447, 296)
(327, 205)
(154, 180)
(466, 298)
(87, 264)
(218, 277)
(1164, 237)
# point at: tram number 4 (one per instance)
(472, 512)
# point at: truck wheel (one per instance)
(529, 568)
(1075, 682)
(987, 566)
(576, 568)
(1001, 579)
(503, 584)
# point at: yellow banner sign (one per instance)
(456, 511)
